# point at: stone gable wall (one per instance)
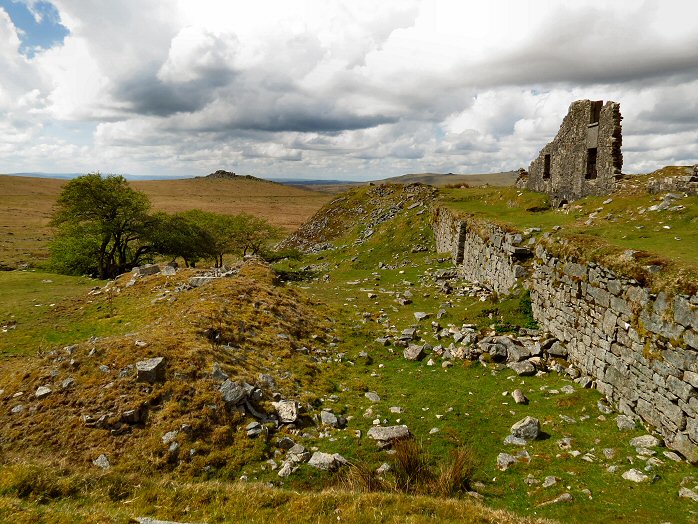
(641, 349)
(569, 150)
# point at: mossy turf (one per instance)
(348, 292)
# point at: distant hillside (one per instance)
(27, 203)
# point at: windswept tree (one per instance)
(221, 230)
(178, 236)
(105, 221)
(255, 235)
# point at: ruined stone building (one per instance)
(584, 158)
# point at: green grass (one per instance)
(468, 397)
(40, 306)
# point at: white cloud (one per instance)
(344, 89)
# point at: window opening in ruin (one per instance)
(595, 113)
(546, 166)
(591, 163)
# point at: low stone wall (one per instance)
(640, 349)
(484, 253)
(675, 184)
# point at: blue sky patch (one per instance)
(38, 24)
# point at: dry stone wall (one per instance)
(483, 252)
(641, 349)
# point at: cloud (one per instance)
(343, 89)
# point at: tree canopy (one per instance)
(107, 215)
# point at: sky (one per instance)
(349, 90)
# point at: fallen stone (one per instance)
(635, 475)
(328, 418)
(17, 409)
(218, 373)
(515, 441)
(645, 441)
(686, 493)
(387, 435)
(421, 315)
(254, 429)
(519, 397)
(413, 352)
(625, 423)
(102, 462)
(504, 461)
(326, 461)
(42, 391)
(372, 396)
(523, 369)
(564, 498)
(287, 411)
(549, 481)
(527, 428)
(151, 370)
(169, 437)
(287, 468)
(383, 468)
(234, 393)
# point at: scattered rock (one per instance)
(524, 369)
(218, 373)
(42, 391)
(234, 393)
(504, 461)
(102, 462)
(519, 397)
(686, 493)
(421, 315)
(515, 441)
(565, 497)
(413, 352)
(527, 428)
(287, 411)
(383, 468)
(645, 441)
(328, 418)
(387, 435)
(372, 396)
(635, 475)
(151, 370)
(549, 481)
(625, 423)
(326, 461)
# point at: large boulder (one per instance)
(527, 428)
(151, 370)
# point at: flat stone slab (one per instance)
(389, 433)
